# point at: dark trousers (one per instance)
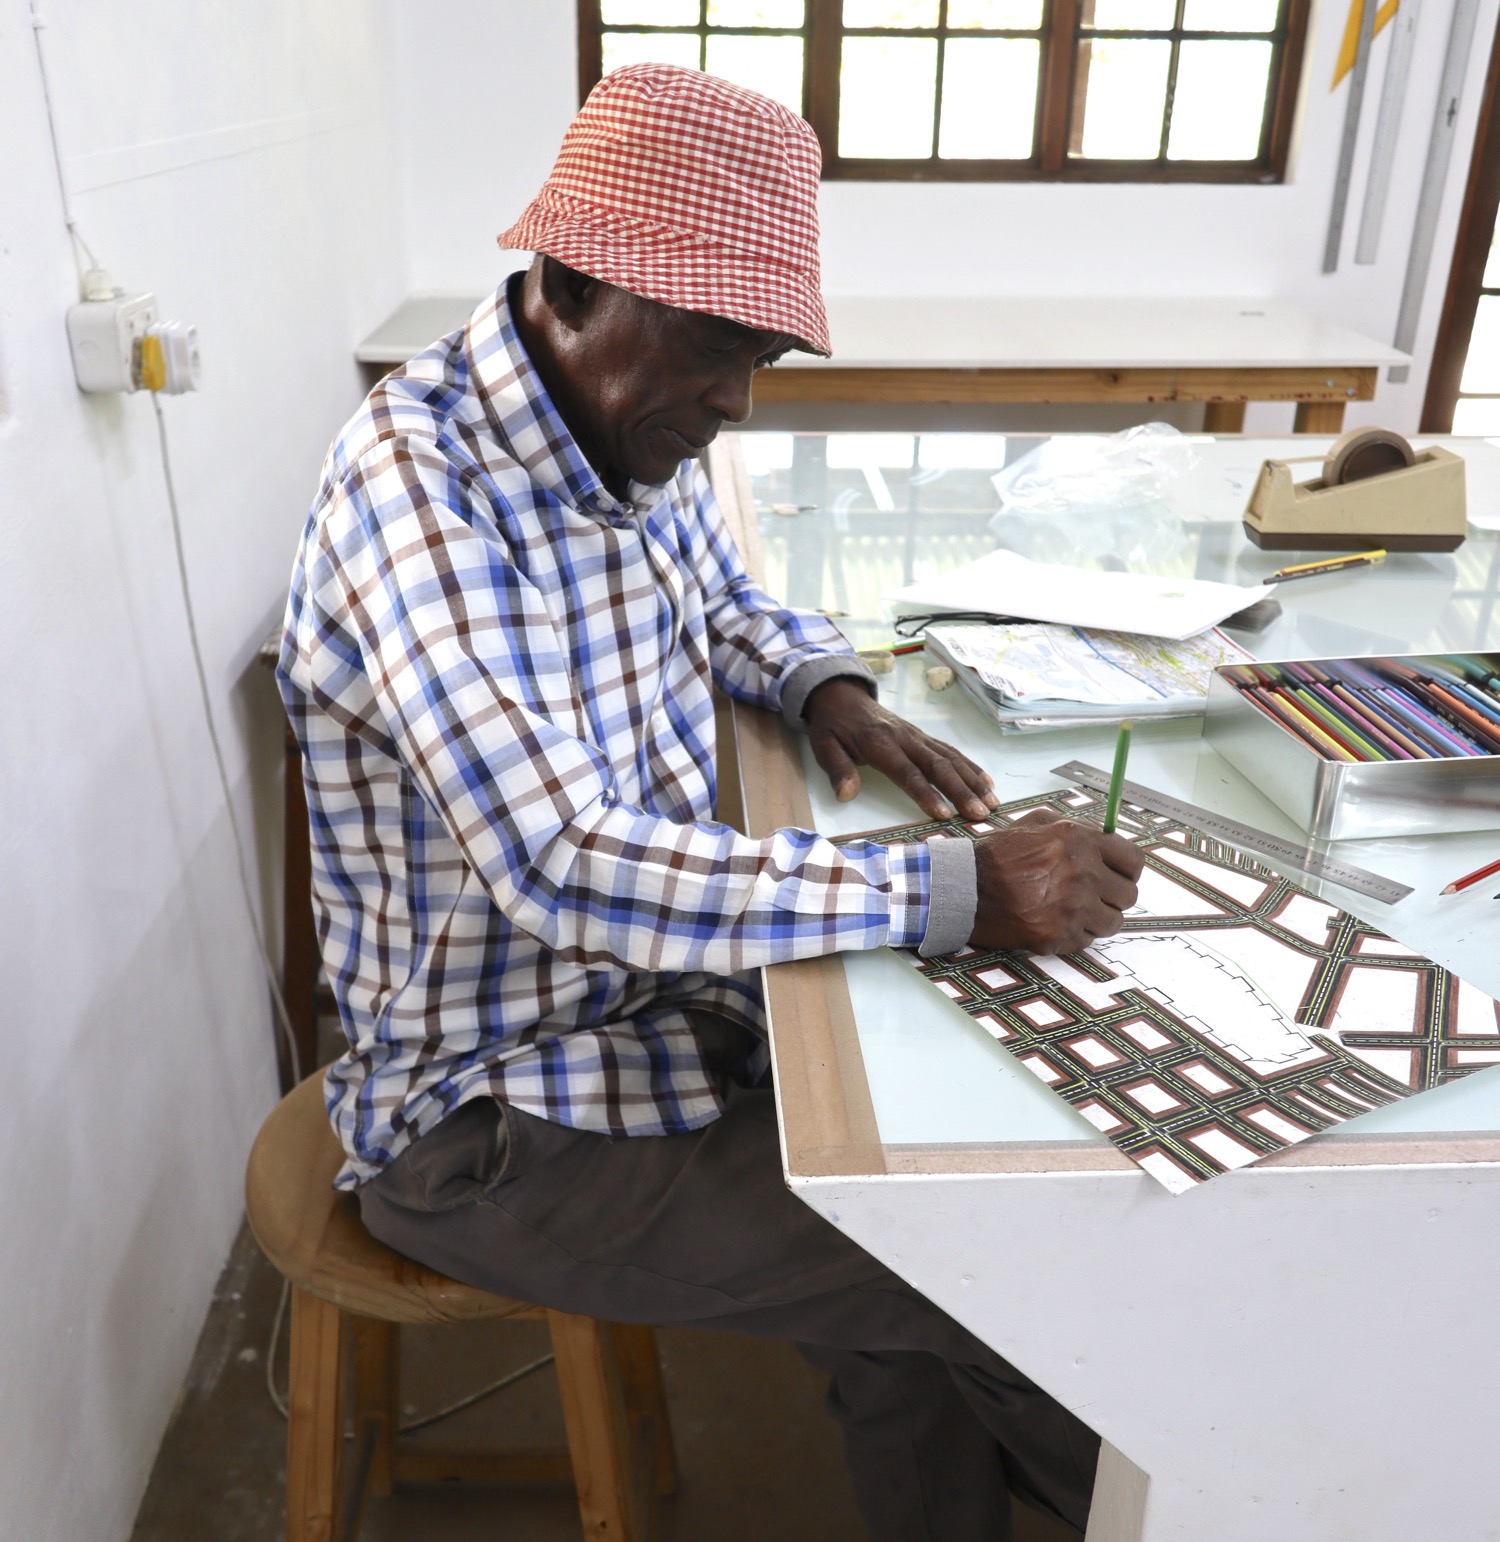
(700, 1230)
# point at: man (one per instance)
(513, 598)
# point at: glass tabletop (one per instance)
(847, 519)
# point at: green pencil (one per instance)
(1117, 778)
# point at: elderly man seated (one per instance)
(512, 602)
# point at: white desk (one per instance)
(1225, 352)
(1295, 1352)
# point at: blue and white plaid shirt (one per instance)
(500, 676)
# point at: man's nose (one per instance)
(729, 395)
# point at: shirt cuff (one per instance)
(953, 896)
(807, 676)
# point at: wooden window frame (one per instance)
(1056, 100)
(1471, 250)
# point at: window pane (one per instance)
(890, 13)
(649, 13)
(649, 48)
(1219, 102)
(1482, 367)
(886, 89)
(1022, 15)
(770, 65)
(1127, 95)
(1130, 15)
(1230, 15)
(1477, 415)
(989, 98)
(1491, 279)
(756, 13)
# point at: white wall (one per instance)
(231, 158)
(513, 67)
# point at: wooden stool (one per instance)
(350, 1291)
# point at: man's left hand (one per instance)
(848, 728)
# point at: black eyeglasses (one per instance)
(910, 626)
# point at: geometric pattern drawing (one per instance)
(1233, 1015)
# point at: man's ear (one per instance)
(567, 293)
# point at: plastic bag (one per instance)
(1096, 471)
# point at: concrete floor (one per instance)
(759, 1459)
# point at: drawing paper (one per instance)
(1007, 584)
(1235, 1014)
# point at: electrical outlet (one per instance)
(104, 334)
(119, 344)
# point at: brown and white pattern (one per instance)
(1234, 1014)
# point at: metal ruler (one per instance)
(1402, 32)
(1434, 176)
(1317, 863)
(1351, 135)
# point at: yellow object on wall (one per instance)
(1350, 46)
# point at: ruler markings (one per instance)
(1317, 863)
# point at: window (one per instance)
(954, 90)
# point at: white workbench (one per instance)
(1300, 1351)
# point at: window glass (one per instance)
(1130, 15)
(1127, 93)
(1220, 101)
(1477, 415)
(1482, 367)
(649, 48)
(770, 65)
(1491, 279)
(756, 13)
(649, 13)
(886, 91)
(890, 13)
(998, 15)
(989, 98)
(1230, 15)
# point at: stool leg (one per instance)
(376, 1398)
(315, 1426)
(640, 1369)
(611, 1494)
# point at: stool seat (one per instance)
(349, 1290)
(313, 1234)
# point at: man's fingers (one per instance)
(1123, 856)
(1117, 891)
(913, 781)
(949, 779)
(843, 774)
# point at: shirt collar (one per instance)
(524, 419)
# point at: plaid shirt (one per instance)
(500, 677)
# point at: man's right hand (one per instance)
(1052, 885)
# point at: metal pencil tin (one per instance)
(1342, 801)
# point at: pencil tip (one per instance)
(1451, 889)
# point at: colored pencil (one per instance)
(1472, 878)
(1117, 778)
(1274, 708)
(1326, 565)
(1290, 704)
(1416, 750)
(1395, 744)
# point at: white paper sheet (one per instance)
(1003, 583)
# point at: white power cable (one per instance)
(412, 1425)
(38, 26)
(283, 1017)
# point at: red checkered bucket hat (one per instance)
(688, 190)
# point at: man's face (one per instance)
(647, 385)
